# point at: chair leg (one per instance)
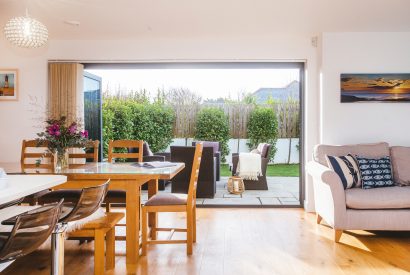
(318, 218)
(338, 235)
(107, 207)
(194, 224)
(189, 232)
(110, 249)
(99, 253)
(144, 229)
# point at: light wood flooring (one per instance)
(249, 241)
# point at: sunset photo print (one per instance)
(375, 88)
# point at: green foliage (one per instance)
(129, 119)
(212, 125)
(263, 128)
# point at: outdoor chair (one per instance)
(166, 202)
(261, 183)
(216, 146)
(207, 176)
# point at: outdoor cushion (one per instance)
(263, 149)
(400, 159)
(167, 199)
(146, 151)
(371, 150)
(213, 144)
(378, 198)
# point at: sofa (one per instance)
(217, 154)
(382, 208)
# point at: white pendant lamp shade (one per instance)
(26, 32)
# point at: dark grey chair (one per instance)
(207, 177)
(261, 183)
(216, 145)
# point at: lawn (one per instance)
(274, 170)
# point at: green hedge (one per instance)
(212, 125)
(263, 128)
(128, 119)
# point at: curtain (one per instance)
(65, 90)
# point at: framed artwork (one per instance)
(375, 88)
(8, 84)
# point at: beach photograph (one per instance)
(375, 88)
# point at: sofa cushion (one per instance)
(378, 198)
(371, 150)
(400, 160)
(213, 144)
(346, 168)
(263, 149)
(375, 172)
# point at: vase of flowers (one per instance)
(59, 136)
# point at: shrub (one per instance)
(128, 119)
(212, 125)
(263, 128)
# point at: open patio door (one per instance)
(93, 108)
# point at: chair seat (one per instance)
(378, 198)
(69, 195)
(167, 199)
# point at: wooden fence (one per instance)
(238, 114)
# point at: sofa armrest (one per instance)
(167, 155)
(330, 198)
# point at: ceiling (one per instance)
(127, 19)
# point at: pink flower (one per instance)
(72, 129)
(84, 134)
(54, 130)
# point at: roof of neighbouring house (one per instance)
(291, 90)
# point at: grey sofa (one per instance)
(384, 208)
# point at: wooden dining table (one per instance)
(124, 176)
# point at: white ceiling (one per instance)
(112, 19)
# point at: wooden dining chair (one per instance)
(32, 151)
(118, 196)
(173, 202)
(72, 195)
(35, 155)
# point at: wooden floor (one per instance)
(249, 241)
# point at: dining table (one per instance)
(126, 176)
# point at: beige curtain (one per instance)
(65, 90)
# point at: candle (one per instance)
(235, 186)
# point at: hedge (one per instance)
(212, 125)
(128, 119)
(263, 128)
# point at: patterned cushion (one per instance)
(346, 168)
(375, 172)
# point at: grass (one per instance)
(274, 170)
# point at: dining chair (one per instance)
(172, 202)
(30, 230)
(72, 195)
(35, 155)
(129, 150)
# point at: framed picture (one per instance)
(8, 84)
(375, 88)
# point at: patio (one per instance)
(282, 191)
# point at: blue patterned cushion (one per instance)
(375, 172)
(346, 168)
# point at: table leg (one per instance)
(153, 217)
(132, 222)
(57, 249)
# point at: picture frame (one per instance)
(384, 87)
(9, 87)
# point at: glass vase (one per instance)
(61, 160)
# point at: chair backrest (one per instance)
(125, 144)
(30, 230)
(93, 145)
(41, 152)
(194, 173)
(90, 201)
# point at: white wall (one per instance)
(363, 122)
(17, 119)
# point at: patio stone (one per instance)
(232, 201)
(283, 200)
(270, 201)
(229, 195)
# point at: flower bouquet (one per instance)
(59, 136)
